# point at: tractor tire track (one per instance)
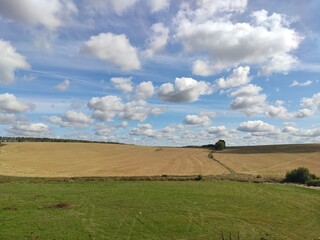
(210, 155)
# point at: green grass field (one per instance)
(157, 210)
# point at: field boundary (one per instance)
(232, 177)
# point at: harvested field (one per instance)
(89, 159)
(273, 160)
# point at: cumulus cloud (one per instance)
(106, 130)
(249, 100)
(114, 49)
(218, 130)
(300, 84)
(197, 120)
(282, 63)
(213, 6)
(104, 6)
(71, 119)
(63, 86)
(106, 108)
(145, 90)
(158, 5)
(7, 118)
(159, 39)
(50, 14)
(10, 104)
(184, 90)
(239, 76)
(267, 41)
(139, 111)
(256, 127)
(123, 84)
(309, 133)
(29, 129)
(145, 130)
(312, 102)
(10, 61)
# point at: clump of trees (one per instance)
(302, 176)
(220, 145)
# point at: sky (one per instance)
(161, 72)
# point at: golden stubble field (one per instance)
(273, 160)
(90, 159)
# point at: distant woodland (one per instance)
(34, 139)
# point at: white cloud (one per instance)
(238, 77)
(123, 84)
(104, 6)
(256, 127)
(63, 86)
(29, 129)
(103, 130)
(300, 84)
(10, 104)
(213, 6)
(7, 118)
(158, 5)
(10, 61)
(159, 39)
(50, 14)
(197, 120)
(108, 107)
(309, 133)
(138, 111)
(279, 63)
(184, 90)
(249, 100)
(105, 108)
(107, 130)
(145, 90)
(218, 130)
(145, 130)
(222, 44)
(312, 102)
(71, 119)
(114, 49)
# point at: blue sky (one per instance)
(161, 72)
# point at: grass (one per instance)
(157, 210)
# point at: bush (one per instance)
(299, 175)
(199, 177)
(314, 183)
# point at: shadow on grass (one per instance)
(60, 205)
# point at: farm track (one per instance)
(220, 163)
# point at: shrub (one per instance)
(314, 183)
(199, 177)
(299, 175)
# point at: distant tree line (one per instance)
(38, 139)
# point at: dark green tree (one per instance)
(220, 145)
(299, 175)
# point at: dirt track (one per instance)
(86, 159)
